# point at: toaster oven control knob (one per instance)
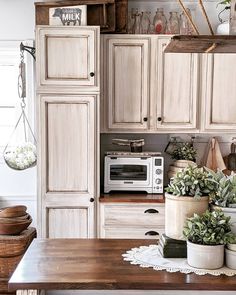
(158, 181)
(158, 171)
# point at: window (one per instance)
(9, 100)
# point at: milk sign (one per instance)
(67, 16)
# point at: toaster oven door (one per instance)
(128, 172)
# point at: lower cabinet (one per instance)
(132, 221)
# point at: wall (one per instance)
(158, 142)
(17, 23)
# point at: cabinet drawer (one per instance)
(135, 215)
(132, 233)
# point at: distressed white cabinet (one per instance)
(126, 64)
(67, 57)
(177, 89)
(145, 89)
(68, 131)
(132, 221)
(219, 92)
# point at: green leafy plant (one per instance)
(211, 228)
(184, 151)
(225, 193)
(192, 181)
(225, 2)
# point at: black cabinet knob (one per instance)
(92, 74)
(151, 233)
(151, 211)
(159, 119)
(91, 200)
(145, 119)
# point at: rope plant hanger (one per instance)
(21, 156)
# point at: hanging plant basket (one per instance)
(21, 157)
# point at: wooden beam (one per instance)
(202, 44)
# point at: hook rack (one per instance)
(29, 49)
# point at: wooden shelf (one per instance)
(202, 44)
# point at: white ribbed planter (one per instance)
(178, 209)
(228, 212)
(205, 256)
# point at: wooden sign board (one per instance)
(68, 15)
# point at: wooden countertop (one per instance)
(131, 198)
(97, 264)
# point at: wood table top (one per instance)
(97, 264)
(133, 197)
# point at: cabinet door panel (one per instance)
(177, 90)
(220, 92)
(127, 78)
(69, 144)
(69, 222)
(66, 57)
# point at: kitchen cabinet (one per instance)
(67, 58)
(126, 82)
(219, 93)
(145, 89)
(177, 89)
(132, 220)
(68, 140)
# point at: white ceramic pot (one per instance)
(228, 212)
(230, 258)
(223, 29)
(178, 209)
(205, 256)
(231, 247)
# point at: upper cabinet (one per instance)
(67, 58)
(177, 89)
(219, 92)
(145, 89)
(126, 82)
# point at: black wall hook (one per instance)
(29, 49)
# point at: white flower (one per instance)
(22, 156)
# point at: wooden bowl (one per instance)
(13, 211)
(14, 228)
(14, 219)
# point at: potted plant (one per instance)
(187, 193)
(184, 154)
(224, 195)
(206, 236)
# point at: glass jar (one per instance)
(185, 26)
(145, 22)
(130, 21)
(159, 21)
(173, 23)
(136, 25)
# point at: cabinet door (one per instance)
(126, 83)
(177, 89)
(67, 57)
(70, 222)
(219, 92)
(67, 157)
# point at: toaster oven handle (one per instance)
(151, 211)
(151, 233)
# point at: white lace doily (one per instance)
(149, 256)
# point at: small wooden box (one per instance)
(12, 248)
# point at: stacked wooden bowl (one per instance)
(14, 219)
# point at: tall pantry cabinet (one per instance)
(67, 64)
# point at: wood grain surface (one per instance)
(97, 264)
(131, 198)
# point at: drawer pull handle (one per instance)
(151, 211)
(151, 233)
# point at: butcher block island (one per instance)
(97, 264)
